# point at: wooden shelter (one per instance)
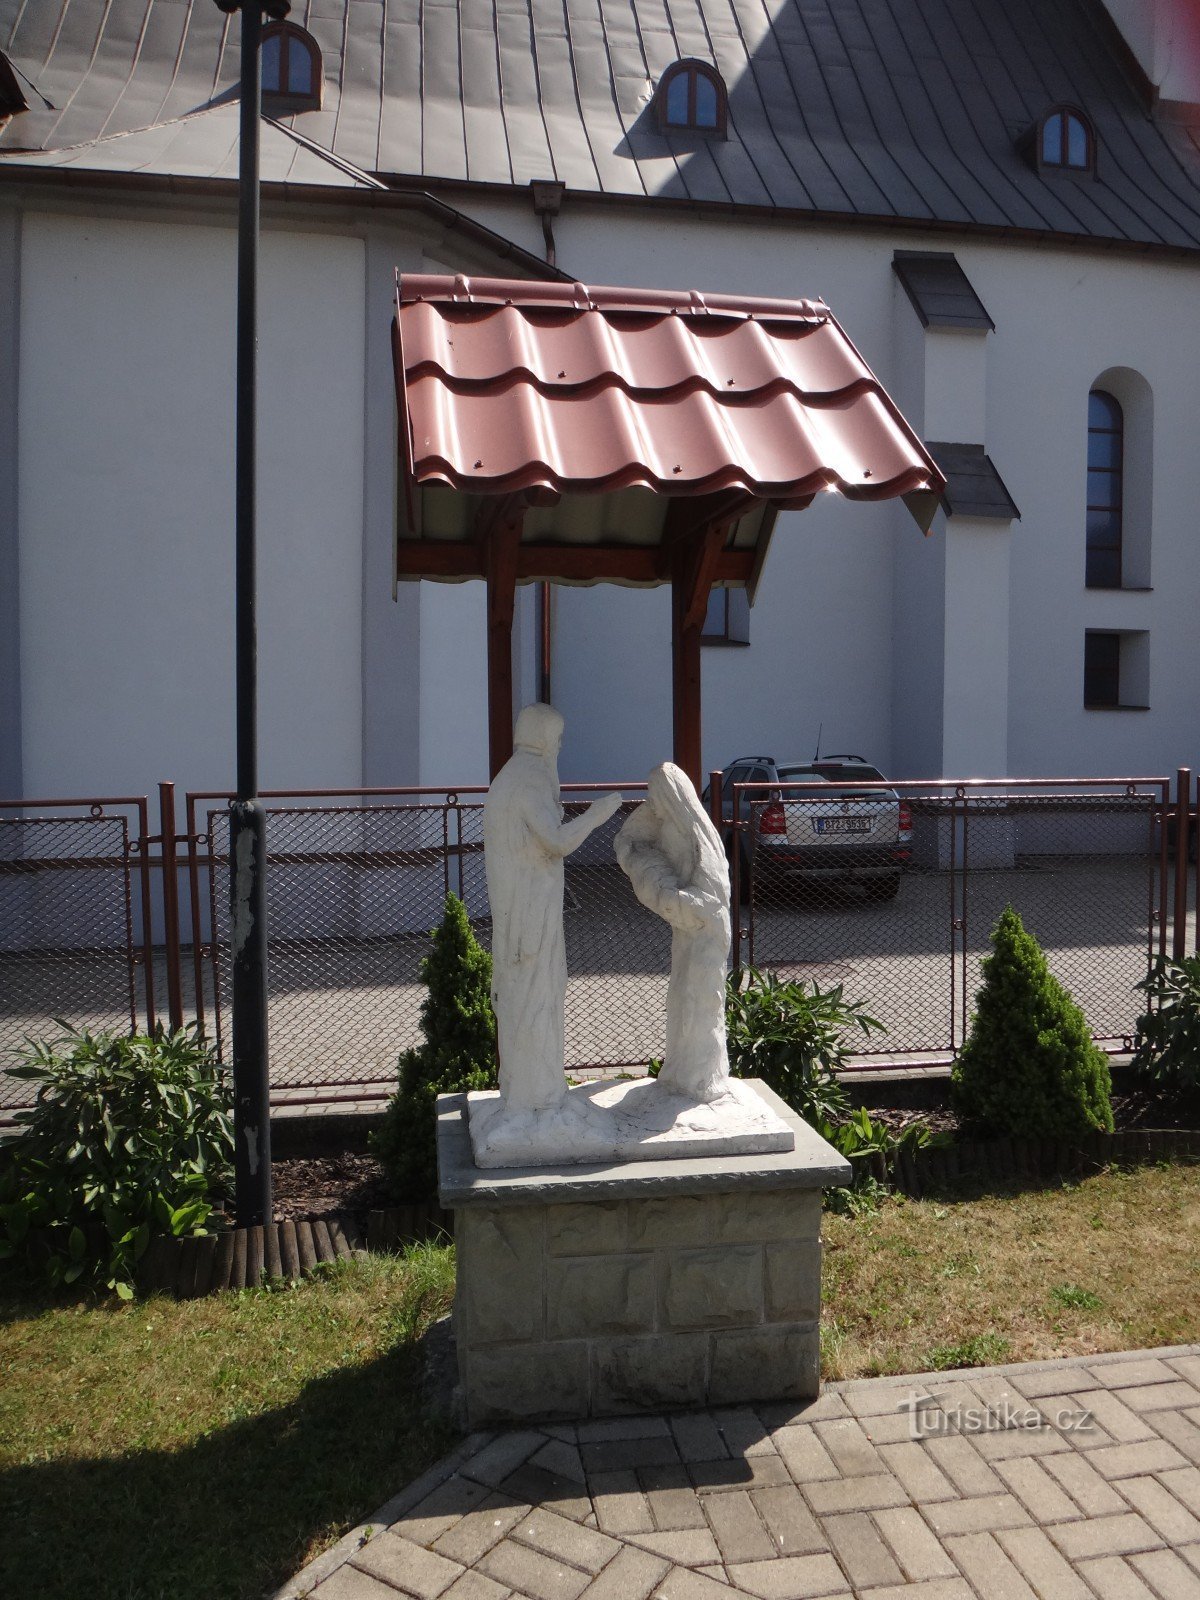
(564, 433)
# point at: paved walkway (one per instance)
(1069, 1480)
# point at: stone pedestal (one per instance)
(645, 1286)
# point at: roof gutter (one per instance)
(226, 189)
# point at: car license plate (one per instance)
(843, 824)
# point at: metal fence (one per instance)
(892, 890)
(106, 924)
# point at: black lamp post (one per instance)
(247, 823)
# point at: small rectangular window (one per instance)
(728, 618)
(1116, 671)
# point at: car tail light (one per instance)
(772, 819)
(905, 817)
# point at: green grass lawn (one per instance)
(210, 1448)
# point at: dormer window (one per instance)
(691, 95)
(292, 79)
(1066, 140)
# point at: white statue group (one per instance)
(674, 859)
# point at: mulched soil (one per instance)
(348, 1184)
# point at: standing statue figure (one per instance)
(524, 842)
(674, 859)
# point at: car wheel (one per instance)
(883, 888)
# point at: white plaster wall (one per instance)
(955, 385)
(975, 697)
(126, 506)
(453, 683)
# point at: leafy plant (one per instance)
(1072, 1298)
(128, 1137)
(982, 1350)
(793, 1038)
(1029, 1067)
(459, 1052)
(1167, 1048)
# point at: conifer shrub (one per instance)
(1029, 1067)
(459, 1052)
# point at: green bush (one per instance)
(1167, 1049)
(459, 1052)
(128, 1137)
(1029, 1067)
(793, 1038)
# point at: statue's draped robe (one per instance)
(524, 864)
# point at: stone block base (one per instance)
(615, 1291)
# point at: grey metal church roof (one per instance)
(897, 110)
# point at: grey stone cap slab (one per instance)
(813, 1164)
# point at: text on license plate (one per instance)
(843, 824)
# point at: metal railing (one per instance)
(106, 924)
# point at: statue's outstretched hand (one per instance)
(600, 810)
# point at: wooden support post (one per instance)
(502, 536)
(694, 562)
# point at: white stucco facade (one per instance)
(960, 654)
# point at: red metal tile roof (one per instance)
(547, 388)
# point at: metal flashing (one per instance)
(973, 486)
(939, 289)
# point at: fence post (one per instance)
(1183, 798)
(170, 880)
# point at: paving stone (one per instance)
(1191, 1554)
(630, 1575)
(564, 1540)
(1128, 1460)
(441, 1509)
(622, 1428)
(474, 1586)
(479, 1530)
(917, 1471)
(981, 1515)
(1113, 1578)
(849, 1448)
(684, 1584)
(915, 1548)
(805, 1456)
(931, 1589)
(1104, 1536)
(1158, 1396)
(963, 1465)
(787, 1413)
(533, 1574)
(502, 1456)
(1084, 1484)
(992, 1574)
(1063, 1380)
(716, 1573)
(792, 1526)
(1037, 1490)
(875, 1400)
(889, 1429)
(697, 1437)
(686, 1547)
(1005, 1443)
(790, 1577)
(1130, 1374)
(409, 1566)
(1033, 1554)
(561, 1458)
(672, 1499)
(1164, 1513)
(348, 1583)
(560, 1430)
(1170, 1577)
(749, 1472)
(621, 1507)
(1187, 1367)
(535, 1486)
(865, 1558)
(743, 1433)
(619, 1455)
(1184, 1484)
(855, 1494)
(740, 1533)
(1184, 1435)
(1114, 1416)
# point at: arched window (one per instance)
(292, 79)
(691, 94)
(1066, 139)
(1105, 490)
